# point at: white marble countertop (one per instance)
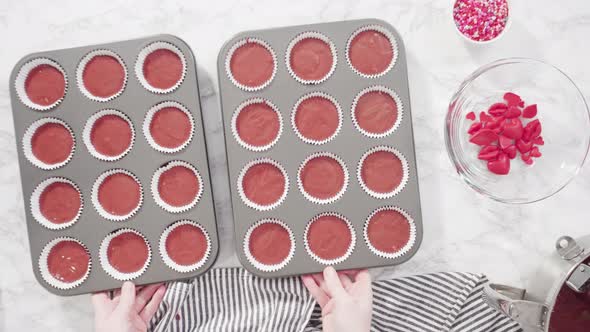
(463, 230)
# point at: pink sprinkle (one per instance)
(481, 20)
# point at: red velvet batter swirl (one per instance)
(388, 231)
(111, 135)
(270, 243)
(263, 184)
(258, 124)
(162, 69)
(59, 202)
(382, 171)
(329, 237)
(127, 252)
(119, 194)
(317, 118)
(186, 244)
(45, 85)
(311, 59)
(52, 143)
(68, 261)
(170, 127)
(178, 186)
(322, 177)
(103, 76)
(370, 52)
(376, 112)
(252, 64)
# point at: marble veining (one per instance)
(463, 230)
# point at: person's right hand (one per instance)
(346, 299)
(127, 312)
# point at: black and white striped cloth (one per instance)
(231, 299)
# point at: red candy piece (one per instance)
(539, 141)
(510, 151)
(484, 137)
(489, 152)
(524, 146)
(501, 166)
(474, 128)
(497, 109)
(512, 112)
(513, 129)
(535, 152)
(512, 99)
(504, 142)
(527, 159)
(529, 111)
(470, 116)
(532, 130)
(484, 117)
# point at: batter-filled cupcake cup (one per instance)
(56, 203)
(177, 186)
(65, 263)
(101, 75)
(251, 64)
(263, 184)
(311, 58)
(49, 143)
(371, 51)
(257, 124)
(108, 135)
(41, 84)
(316, 118)
(185, 246)
(322, 178)
(160, 67)
(389, 232)
(329, 238)
(377, 111)
(383, 172)
(168, 127)
(117, 195)
(125, 254)
(269, 245)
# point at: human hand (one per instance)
(346, 299)
(127, 312)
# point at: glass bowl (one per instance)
(563, 114)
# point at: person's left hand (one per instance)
(127, 312)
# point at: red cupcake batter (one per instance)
(322, 177)
(178, 186)
(59, 202)
(119, 194)
(52, 143)
(317, 118)
(370, 52)
(45, 85)
(252, 64)
(388, 231)
(311, 59)
(376, 112)
(111, 135)
(329, 237)
(571, 312)
(127, 252)
(103, 76)
(382, 171)
(170, 127)
(263, 184)
(68, 261)
(162, 69)
(258, 124)
(270, 243)
(186, 244)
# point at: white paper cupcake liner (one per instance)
(164, 253)
(230, 53)
(28, 146)
(156, 179)
(101, 211)
(314, 35)
(405, 176)
(242, 194)
(36, 208)
(141, 60)
(405, 249)
(44, 268)
(338, 259)
(398, 102)
(392, 41)
(104, 259)
(234, 128)
(148, 120)
(294, 113)
(333, 198)
(21, 78)
(80, 73)
(86, 134)
(265, 267)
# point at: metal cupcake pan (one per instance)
(284, 91)
(142, 160)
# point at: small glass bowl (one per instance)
(483, 42)
(562, 111)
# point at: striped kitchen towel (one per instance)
(232, 299)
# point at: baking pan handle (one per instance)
(510, 301)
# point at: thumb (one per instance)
(333, 282)
(127, 300)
